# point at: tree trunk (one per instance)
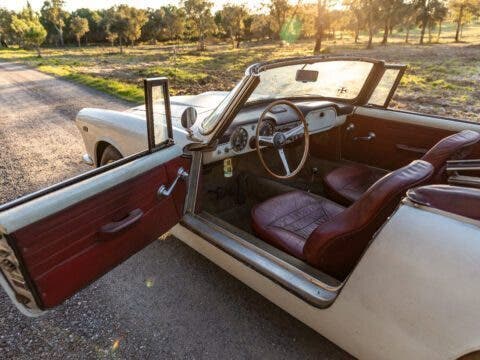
(430, 33)
(60, 36)
(422, 32)
(370, 39)
(439, 31)
(357, 33)
(39, 54)
(78, 41)
(407, 36)
(121, 45)
(385, 33)
(319, 34)
(233, 42)
(459, 24)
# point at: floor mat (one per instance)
(239, 216)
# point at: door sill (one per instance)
(308, 283)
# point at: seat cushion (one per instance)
(347, 184)
(286, 221)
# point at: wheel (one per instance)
(110, 154)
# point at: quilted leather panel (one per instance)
(286, 221)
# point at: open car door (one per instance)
(55, 242)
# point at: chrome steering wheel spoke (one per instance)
(265, 140)
(283, 157)
(296, 131)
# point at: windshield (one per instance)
(335, 79)
(341, 79)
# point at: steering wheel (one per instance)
(280, 139)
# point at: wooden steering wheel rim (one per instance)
(305, 135)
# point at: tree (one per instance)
(388, 10)
(408, 16)
(174, 21)
(320, 25)
(52, 11)
(261, 27)
(127, 23)
(200, 19)
(153, 29)
(357, 16)
(278, 11)
(231, 20)
(429, 13)
(5, 26)
(460, 10)
(95, 32)
(79, 27)
(28, 28)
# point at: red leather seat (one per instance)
(286, 221)
(329, 236)
(346, 184)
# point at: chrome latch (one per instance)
(164, 191)
(371, 136)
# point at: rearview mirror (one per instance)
(189, 116)
(306, 75)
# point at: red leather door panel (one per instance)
(66, 251)
(396, 143)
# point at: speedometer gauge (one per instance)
(239, 139)
(267, 128)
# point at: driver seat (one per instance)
(329, 236)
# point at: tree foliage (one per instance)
(52, 12)
(199, 20)
(79, 27)
(26, 25)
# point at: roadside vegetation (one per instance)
(200, 50)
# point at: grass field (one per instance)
(442, 77)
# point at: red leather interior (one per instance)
(454, 199)
(286, 221)
(335, 237)
(66, 251)
(346, 184)
(336, 246)
(396, 143)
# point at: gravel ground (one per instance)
(165, 302)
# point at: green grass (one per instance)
(441, 77)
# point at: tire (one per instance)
(110, 154)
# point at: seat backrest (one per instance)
(453, 147)
(335, 246)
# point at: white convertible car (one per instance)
(361, 221)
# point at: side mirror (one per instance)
(189, 117)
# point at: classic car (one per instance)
(361, 221)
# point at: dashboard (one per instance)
(240, 137)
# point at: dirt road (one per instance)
(40, 144)
(165, 302)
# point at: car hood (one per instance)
(204, 103)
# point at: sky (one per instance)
(71, 5)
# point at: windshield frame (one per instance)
(252, 79)
(376, 73)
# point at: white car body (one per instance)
(126, 131)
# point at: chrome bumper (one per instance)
(87, 159)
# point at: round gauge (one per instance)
(267, 128)
(239, 139)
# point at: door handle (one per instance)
(164, 191)
(117, 226)
(371, 135)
